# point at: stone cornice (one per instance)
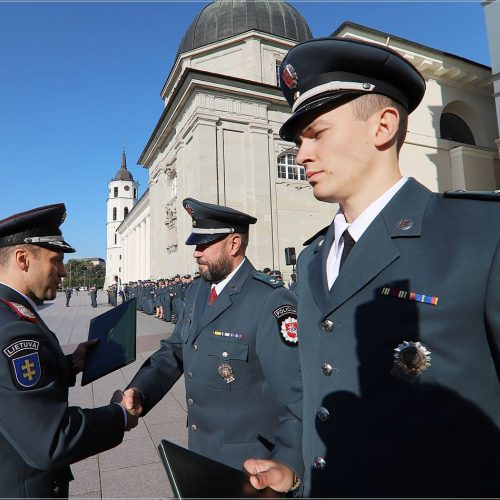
(432, 63)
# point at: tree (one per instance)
(82, 272)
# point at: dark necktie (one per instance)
(348, 246)
(213, 296)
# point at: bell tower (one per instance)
(122, 197)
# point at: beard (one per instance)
(216, 271)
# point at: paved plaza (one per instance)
(133, 469)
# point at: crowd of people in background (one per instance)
(164, 298)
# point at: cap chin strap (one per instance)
(332, 87)
(44, 239)
(222, 230)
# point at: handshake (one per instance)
(131, 400)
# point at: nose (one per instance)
(197, 253)
(63, 272)
(304, 154)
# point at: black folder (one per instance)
(194, 476)
(116, 331)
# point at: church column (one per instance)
(148, 247)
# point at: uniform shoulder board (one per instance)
(268, 280)
(474, 195)
(321, 232)
(21, 311)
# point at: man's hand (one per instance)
(78, 357)
(270, 473)
(132, 414)
(133, 400)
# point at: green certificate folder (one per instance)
(194, 476)
(116, 331)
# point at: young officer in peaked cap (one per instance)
(399, 296)
(40, 435)
(236, 346)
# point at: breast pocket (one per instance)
(229, 362)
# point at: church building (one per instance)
(217, 139)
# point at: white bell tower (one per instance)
(122, 197)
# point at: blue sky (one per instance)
(79, 79)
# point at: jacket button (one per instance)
(327, 326)
(224, 354)
(195, 347)
(56, 489)
(323, 414)
(194, 427)
(327, 369)
(190, 374)
(319, 463)
(190, 401)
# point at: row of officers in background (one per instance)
(164, 299)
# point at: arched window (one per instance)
(114, 213)
(116, 192)
(288, 168)
(453, 128)
(125, 212)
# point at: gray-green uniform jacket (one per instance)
(40, 434)
(248, 334)
(400, 359)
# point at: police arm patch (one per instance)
(287, 324)
(25, 364)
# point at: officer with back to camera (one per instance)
(398, 299)
(40, 434)
(237, 347)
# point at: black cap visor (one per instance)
(310, 110)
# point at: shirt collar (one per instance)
(365, 218)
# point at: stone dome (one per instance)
(226, 18)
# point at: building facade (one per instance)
(492, 16)
(217, 139)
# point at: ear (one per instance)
(234, 244)
(387, 124)
(22, 258)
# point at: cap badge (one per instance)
(410, 360)
(226, 372)
(289, 76)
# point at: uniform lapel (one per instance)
(223, 301)
(318, 282)
(376, 249)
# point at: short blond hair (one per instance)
(367, 104)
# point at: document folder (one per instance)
(116, 331)
(194, 476)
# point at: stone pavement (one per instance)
(133, 469)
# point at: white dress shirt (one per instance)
(356, 229)
(221, 285)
